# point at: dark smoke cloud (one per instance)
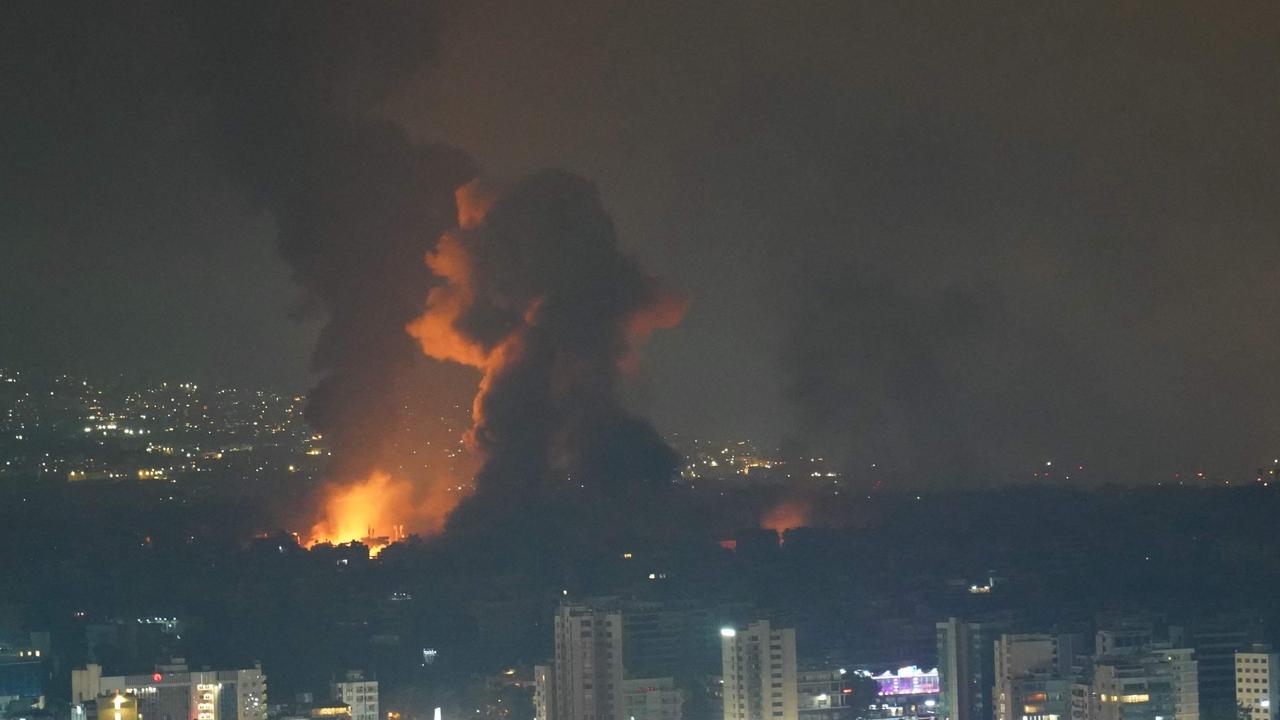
(274, 103)
(278, 104)
(558, 311)
(292, 87)
(1101, 176)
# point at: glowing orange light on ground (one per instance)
(376, 511)
(786, 516)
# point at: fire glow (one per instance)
(458, 260)
(375, 512)
(786, 516)
(533, 292)
(377, 509)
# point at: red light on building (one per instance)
(157, 677)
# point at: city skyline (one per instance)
(663, 360)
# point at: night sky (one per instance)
(955, 240)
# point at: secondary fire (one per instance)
(786, 516)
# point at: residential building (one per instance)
(1155, 683)
(544, 691)
(1216, 641)
(966, 668)
(824, 694)
(588, 666)
(1257, 682)
(174, 692)
(759, 672)
(1034, 676)
(22, 677)
(358, 692)
(651, 699)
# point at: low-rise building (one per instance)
(174, 692)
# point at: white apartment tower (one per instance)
(759, 672)
(360, 693)
(587, 683)
(1257, 681)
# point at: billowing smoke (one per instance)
(538, 296)
(278, 101)
(535, 291)
(292, 88)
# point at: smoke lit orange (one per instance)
(500, 302)
(437, 329)
(786, 516)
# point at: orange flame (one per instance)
(379, 506)
(376, 510)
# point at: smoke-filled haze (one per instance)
(953, 241)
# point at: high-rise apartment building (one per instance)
(360, 693)
(588, 676)
(173, 692)
(759, 672)
(966, 668)
(591, 678)
(1257, 681)
(1034, 676)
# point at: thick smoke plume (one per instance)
(356, 203)
(278, 101)
(539, 297)
(534, 292)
